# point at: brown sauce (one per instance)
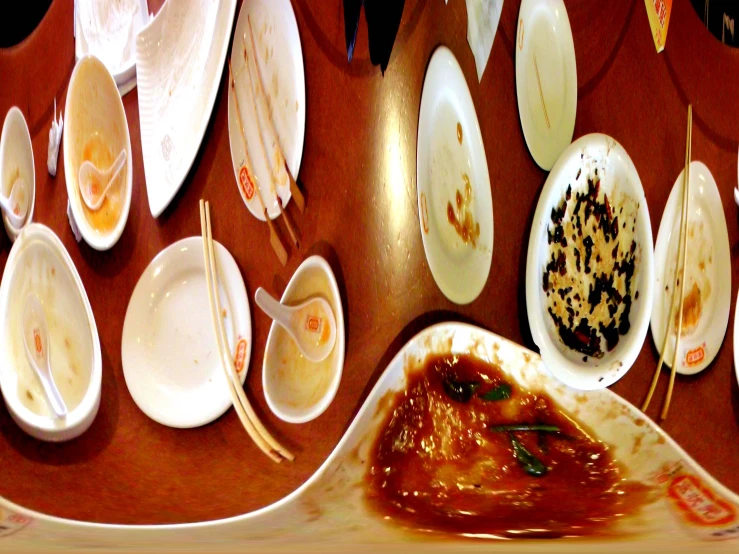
(439, 466)
(461, 218)
(692, 310)
(459, 132)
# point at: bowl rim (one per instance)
(92, 238)
(90, 401)
(551, 351)
(15, 114)
(324, 402)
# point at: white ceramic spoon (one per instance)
(311, 324)
(16, 210)
(94, 184)
(36, 340)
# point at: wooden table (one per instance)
(359, 176)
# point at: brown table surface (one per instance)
(359, 176)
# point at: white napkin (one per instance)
(73, 223)
(55, 139)
(483, 17)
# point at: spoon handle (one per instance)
(118, 165)
(55, 397)
(272, 308)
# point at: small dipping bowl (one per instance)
(296, 389)
(96, 129)
(16, 161)
(39, 263)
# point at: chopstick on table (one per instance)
(288, 224)
(682, 251)
(294, 189)
(274, 238)
(249, 419)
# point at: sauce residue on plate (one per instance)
(462, 218)
(106, 218)
(459, 132)
(439, 463)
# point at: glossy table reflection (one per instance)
(359, 177)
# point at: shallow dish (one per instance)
(281, 65)
(296, 389)
(39, 263)
(180, 56)
(617, 173)
(96, 129)
(169, 350)
(708, 268)
(546, 79)
(16, 160)
(452, 173)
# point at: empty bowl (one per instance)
(16, 161)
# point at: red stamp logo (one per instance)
(37, 342)
(313, 324)
(240, 355)
(695, 356)
(247, 187)
(698, 504)
(424, 214)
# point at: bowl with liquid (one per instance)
(39, 264)
(96, 130)
(298, 390)
(16, 162)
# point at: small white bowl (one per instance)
(94, 107)
(296, 389)
(39, 262)
(16, 160)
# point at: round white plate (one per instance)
(169, 350)
(281, 65)
(546, 79)
(736, 339)
(708, 244)
(616, 171)
(459, 269)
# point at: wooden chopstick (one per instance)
(249, 419)
(682, 244)
(294, 189)
(288, 224)
(274, 238)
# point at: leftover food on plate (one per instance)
(104, 219)
(460, 215)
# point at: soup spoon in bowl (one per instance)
(95, 184)
(36, 341)
(16, 206)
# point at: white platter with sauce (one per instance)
(708, 268)
(39, 263)
(296, 389)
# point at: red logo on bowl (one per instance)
(698, 504)
(313, 324)
(695, 356)
(247, 187)
(240, 355)
(424, 214)
(37, 342)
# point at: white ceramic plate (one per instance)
(169, 353)
(615, 169)
(459, 268)
(281, 66)
(180, 56)
(709, 268)
(736, 339)
(123, 72)
(546, 79)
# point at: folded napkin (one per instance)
(483, 17)
(55, 139)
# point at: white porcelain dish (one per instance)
(546, 79)
(444, 165)
(736, 339)
(708, 268)
(616, 169)
(118, 54)
(16, 160)
(96, 128)
(40, 264)
(281, 64)
(296, 389)
(168, 349)
(180, 57)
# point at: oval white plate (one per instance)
(283, 74)
(169, 350)
(546, 75)
(711, 245)
(614, 167)
(180, 55)
(459, 269)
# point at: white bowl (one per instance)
(615, 167)
(16, 155)
(293, 395)
(94, 107)
(61, 292)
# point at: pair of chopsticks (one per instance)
(682, 251)
(249, 419)
(258, 91)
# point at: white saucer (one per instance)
(700, 346)
(169, 353)
(461, 270)
(283, 74)
(544, 46)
